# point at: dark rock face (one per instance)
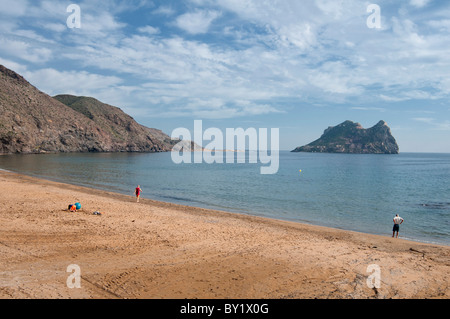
(126, 134)
(33, 122)
(350, 137)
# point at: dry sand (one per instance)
(157, 250)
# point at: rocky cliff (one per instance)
(350, 137)
(33, 122)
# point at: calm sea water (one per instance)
(353, 192)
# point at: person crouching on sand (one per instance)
(397, 222)
(138, 192)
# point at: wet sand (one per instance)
(157, 250)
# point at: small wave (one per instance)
(435, 205)
(177, 198)
(425, 241)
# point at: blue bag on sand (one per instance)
(78, 205)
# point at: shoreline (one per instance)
(161, 250)
(181, 206)
(206, 209)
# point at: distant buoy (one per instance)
(300, 171)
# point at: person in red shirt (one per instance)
(138, 192)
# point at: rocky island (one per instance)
(34, 122)
(351, 137)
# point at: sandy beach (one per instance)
(156, 250)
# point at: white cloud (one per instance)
(101, 25)
(13, 7)
(54, 82)
(32, 36)
(56, 27)
(440, 126)
(276, 62)
(164, 10)
(197, 22)
(419, 3)
(312, 51)
(16, 67)
(443, 25)
(407, 31)
(24, 50)
(377, 109)
(149, 30)
(335, 77)
(301, 36)
(392, 98)
(217, 108)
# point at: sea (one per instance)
(353, 192)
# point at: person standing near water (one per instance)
(397, 222)
(138, 192)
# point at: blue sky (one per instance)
(299, 66)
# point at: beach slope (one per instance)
(158, 250)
